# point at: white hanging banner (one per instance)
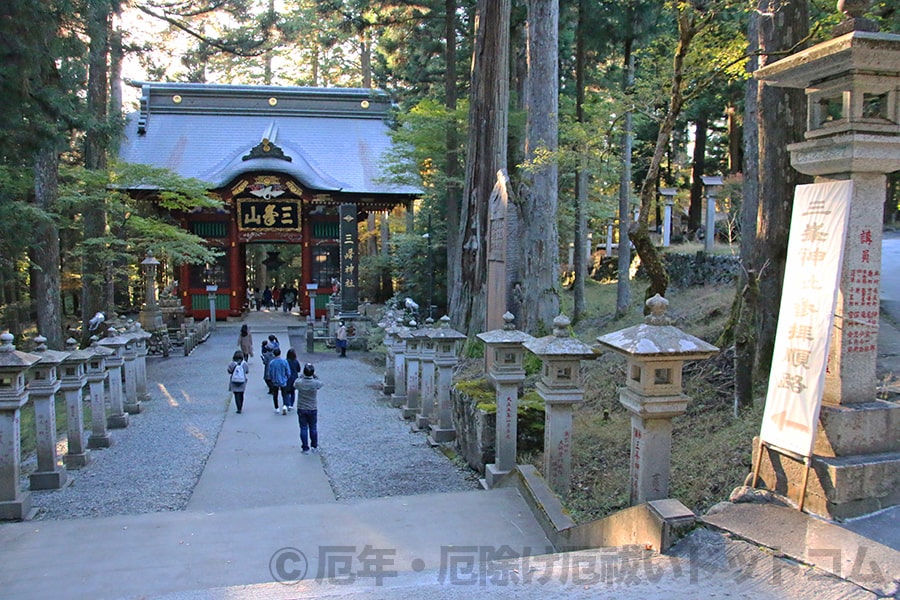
(811, 281)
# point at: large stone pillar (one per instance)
(349, 260)
(72, 381)
(15, 504)
(506, 374)
(853, 133)
(43, 384)
(560, 388)
(401, 336)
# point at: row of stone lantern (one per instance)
(38, 376)
(655, 353)
(419, 373)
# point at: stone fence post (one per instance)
(97, 375)
(118, 418)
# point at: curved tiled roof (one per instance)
(328, 139)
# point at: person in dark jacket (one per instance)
(307, 387)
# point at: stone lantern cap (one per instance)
(50, 358)
(97, 349)
(75, 354)
(445, 333)
(508, 335)
(559, 344)
(12, 359)
(657, 338)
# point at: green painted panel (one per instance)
(201, 302)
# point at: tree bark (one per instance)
(745, 358)
(782, 121)
(45, 251)
(581, 253)
(538, 198)
(486, 155)
(452, 142)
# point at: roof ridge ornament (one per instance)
(267, 149)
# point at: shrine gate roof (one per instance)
(328, 139)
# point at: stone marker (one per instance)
(655, 353)
(560, 388)
(506, 374)
(43, 383)
(141, 340)
(401, 336)
(130, 374)
(15, 504)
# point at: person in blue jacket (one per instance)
(279, 372)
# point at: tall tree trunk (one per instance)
(782, 121)
(623, 287)
(538, 202)
(745, 349)
(96, 277)
(485, 156)
(365, 59)
(45, 252)
(698, 170)
(581, 177)
(452, 142)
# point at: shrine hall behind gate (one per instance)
(293, 165)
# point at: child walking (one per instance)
(237, 380)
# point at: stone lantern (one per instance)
(43, 383)
(387, 384)
(427, 394)
(15, 504)
(560, 388)
(506, 374)
(73, 378)
(413, 371)
(151, 315)
(97, 375)
(655, 353)
(141, 340)
(852, 85)
(400, 335)
(132, 404)
(118, 418)
(445, 340)
(712, 183)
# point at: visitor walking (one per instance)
(266, 355)
(267, 297)
(279, 372)
(294, 365)
(237, 380)
(307, 388)
(245, 342)
(341, 337)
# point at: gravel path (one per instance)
(157, 460)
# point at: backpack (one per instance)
(238, 375)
